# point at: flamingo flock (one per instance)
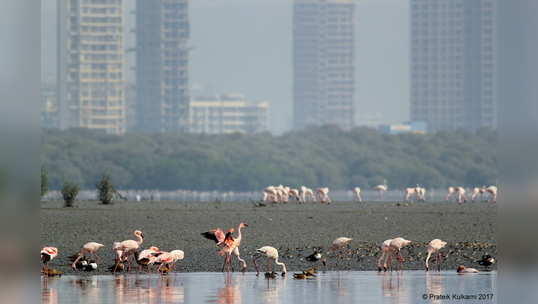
(228, 247)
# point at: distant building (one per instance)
(162, 65)
(228, 113)
(49, 106)
(453, 63)
(90, 65)
(323, 63)
(417, 127)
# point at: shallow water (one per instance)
(329, 287)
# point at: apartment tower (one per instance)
(323, 63)
(453, 64)
(90, 84)
(162, 63)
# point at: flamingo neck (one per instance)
(239, 233)
(428, 258)
(281, 264)
(140, 240)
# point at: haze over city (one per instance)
(241, 46)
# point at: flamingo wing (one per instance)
(216, 235)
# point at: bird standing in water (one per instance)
(228, 244)
(47, 255)
(271, 253)
(434, 247)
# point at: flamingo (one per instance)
(147, 257)
(421, 193)
(323, 194)
(338, 244)
(269, 193)
(462, 269)
(307, 193)
(434, 247)
(48, 254)
(395, 247)
(91, 249)
(381, 188)
(476, 191)
(295, 194)
(450, 193)
(409, 192)
(271, 253)
(385, 250)
(169, 259)
(357, 192)
(460, 192)
(492, 190)
(228, 244)
(128, 248)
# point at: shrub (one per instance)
(69, 193)
(106, 190)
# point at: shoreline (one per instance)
(295, 229)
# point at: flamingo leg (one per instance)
(439, 261)
(255, 264)
(224, 264)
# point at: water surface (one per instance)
(329, 287)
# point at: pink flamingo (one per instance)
(48, 254)
(90, 248)
(147, 257)
(228, 244)
(434, 247)
(169, 259)
(128, 248)
(460, 192)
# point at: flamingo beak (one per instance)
(246, 225)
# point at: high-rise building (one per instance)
(453, 64)
(323, 63)
(162, 63)
(90, 65)
(227, 113)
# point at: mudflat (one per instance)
(296, 230)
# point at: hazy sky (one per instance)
(245, 46)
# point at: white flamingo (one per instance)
(434, 247)
(357, 192)
(306, 194)
(90, 248)
(323, 195)
(492, 190)
(395, 247)
(128, 248)
(381, 189)
(385, 250)
(271, 253)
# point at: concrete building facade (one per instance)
(453, 64)
(229, 113)
(323, 63)
(90, 56)
(162, 66)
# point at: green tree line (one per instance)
(324, 156)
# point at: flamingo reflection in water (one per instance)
(393, 284)
(230, 293)
(49, 295)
